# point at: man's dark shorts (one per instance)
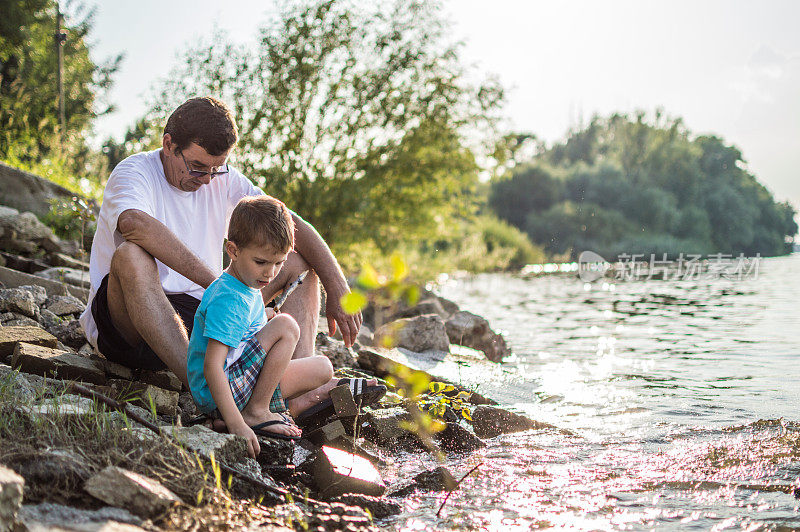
(113, 345)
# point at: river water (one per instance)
(683, 397)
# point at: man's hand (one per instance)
(253, 447)
(349, 324)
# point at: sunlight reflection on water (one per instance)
(673, 390)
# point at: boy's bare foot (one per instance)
(283, 427)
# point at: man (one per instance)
(159, 242)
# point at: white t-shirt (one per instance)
(200, 219)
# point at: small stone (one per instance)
(427, 306)
(20, 320)
(437, 479)
(38, 292)
(163, 379)
(62, 305)
(114, 370)
(69, 332)
(377, 506)
(11, 489)
(64, 406)
(455, 438)
(418, 334)
(471, 330)
(48, 319)
(66, 275)
(337, 353)
(17, 300)
(165, 401)
(50, 469)
(140, 495)
(46, 515)
(227, 448)
(52, 362)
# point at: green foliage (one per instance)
(71, 219)
(29, 129)
(360, 117)
(628, 185)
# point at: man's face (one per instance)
(196, 157)
(256, 266)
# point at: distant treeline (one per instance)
(631, 185)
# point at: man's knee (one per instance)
(131, 259)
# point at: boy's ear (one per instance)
(231, 249)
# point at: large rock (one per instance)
(227, 448)
(385, 427)
(136, 493)
(418, 334)
(13, 319)
(337, 353)
(10, 336)
(66, 275)
(436, 479)
(52, 517)
(62, 305)
(19, 385)
(488, 422)
(22, 226)
(427, 306)
(28, 192)
(38, 292)
(337, 472)
(457, 439)
(18, 300)
(13, 278)
(53, 362)
(377, 506)
(50, 469)
(11, 489)
(62, 407)
(163, 379)
(275, 452)
(471, 330)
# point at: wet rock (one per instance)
(337, 353)
(385, 428)
(436, 479)
(337, 472)
(62, 305)
(488, 422)
(457, 439)
(53, 362)
(418, 334)
(471, 330)
(11, 490)
(165, 401)
(227, 448)
(69, 332)
(243, 489)
(336, 516)
(448, 306)
(140, 495)
(46, 515)
(18, 300)
(51, 469)
(377, 506)
(401, 489)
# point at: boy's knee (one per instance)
(288, 326)
(324, 368)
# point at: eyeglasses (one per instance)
(198, 173)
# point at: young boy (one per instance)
(239, 352)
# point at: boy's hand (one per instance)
(270, 313)
(253, 448)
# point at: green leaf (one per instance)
(368, 280)
(399, 268)
(353, 302)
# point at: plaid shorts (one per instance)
(243, 374)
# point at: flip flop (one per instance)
(364, 395)
(258, 429)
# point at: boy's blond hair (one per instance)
(262, 221)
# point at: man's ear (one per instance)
(231, 249)
(166, 142)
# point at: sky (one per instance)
(727, 67)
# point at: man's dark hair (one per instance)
(205, 121)
(262, 221)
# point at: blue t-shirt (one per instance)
(230, 312)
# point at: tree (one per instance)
(28, 91)
(358, 116)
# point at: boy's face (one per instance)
(254, 265)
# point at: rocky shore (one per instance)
(69, 462)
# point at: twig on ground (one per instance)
(122, 407)
(438, 514)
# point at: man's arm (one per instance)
(154, 237)
(310, 245)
